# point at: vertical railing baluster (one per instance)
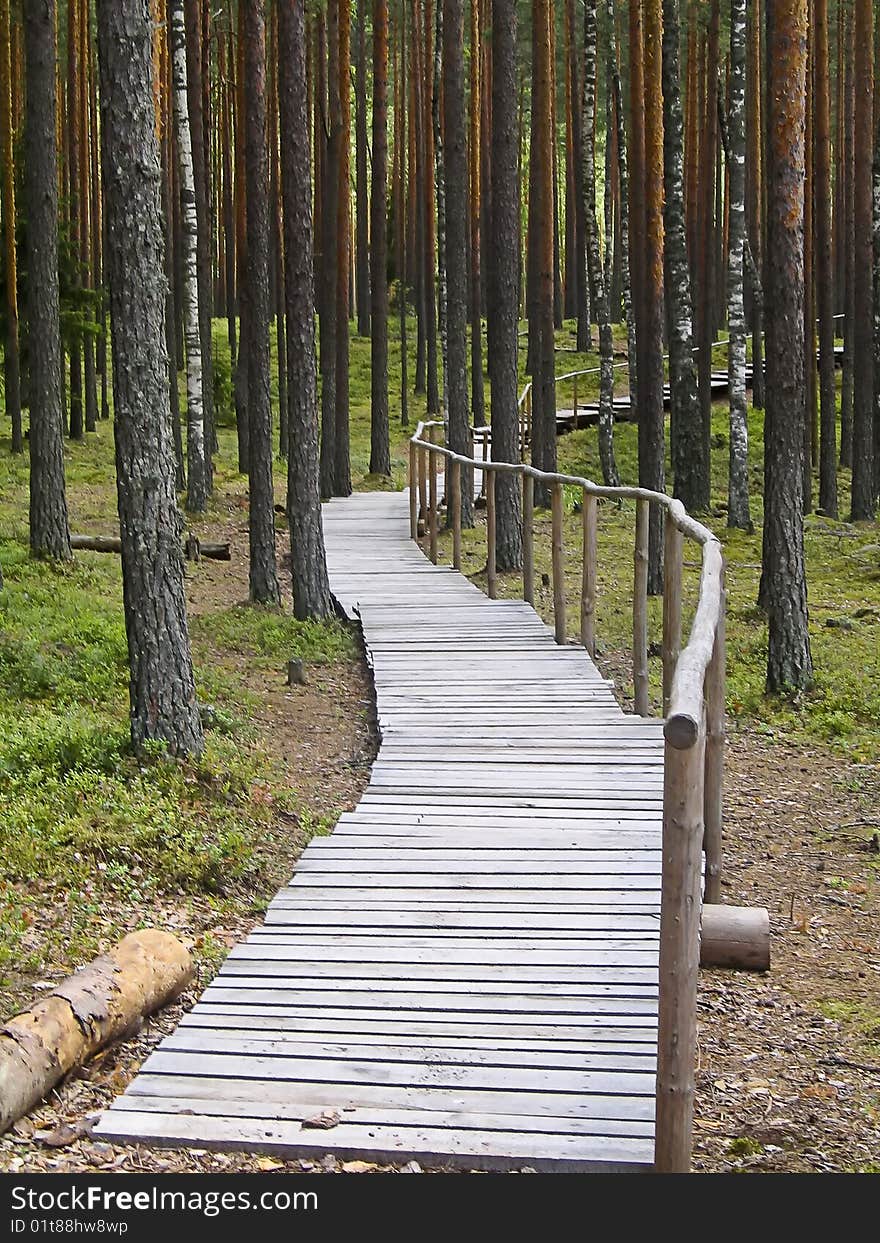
(432, 507)
(423, 488)
(557, 500)
(528, 531)
(714, 778)
(575, 402)
(640, 611)
(455, 501)
(672, 592)
(491, 536)
(413, 492)
(588, 581)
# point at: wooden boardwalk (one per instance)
(465, 972)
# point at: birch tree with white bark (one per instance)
(738, 488)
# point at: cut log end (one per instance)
(735, 936)
(85, 1012)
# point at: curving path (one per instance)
(465, 971)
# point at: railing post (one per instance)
(640, 611)
(588, 582)
(528, 529)
(672, 566)
(679, 954)
(432, 508)
(575, 402)
(714, 771)
(413, 492)
(557, 497)
(455, 501)
(423, 487)
(491, 535)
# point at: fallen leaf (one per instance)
(322, 1122)
(357, 1167)
(268, 1163)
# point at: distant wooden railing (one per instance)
(693, 705)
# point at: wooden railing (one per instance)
(693, 707)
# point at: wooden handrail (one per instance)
(693, 699)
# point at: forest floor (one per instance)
(788, 1074)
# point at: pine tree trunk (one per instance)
(73, 159)
(402, 261)
(432, 389)
(362, 278)
(162, 687)
(810, 432)
(503, 301)
(242, 410)
(196, 492)
(478, 411)
(651, 406)
(863, 506)
(12, 389)
(198, 68)
(610, 474)
(440, 183)
(738, 514)
(311, 589)
(49, 530)
(754, 196)
(263, 579)
(582, 287)
(789, 664)
(85, 233)
(708, 230)
(380, 451)
(455, 163)
(688, 464)
(341, 458)
(625, 247)
(849, 242)
(226, 142)
(825, 282)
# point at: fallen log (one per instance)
(99, 1004)
(735, 936)
(194, 548)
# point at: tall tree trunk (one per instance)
(825, 282)
(455, 162)
(478, 411)
(162, 686)
(636, 158)
(571, 182)
(311, 588)
(440, 183)
(651, 407)
(503, 301)
(754, 195)
(738, 514)
(49, 530)
(198, 68)
(380, 452)
(242, 405)
(263, 577)
(432, 390)
(7, 200)
(708, 230)
(625, 234)
(168, 184)
(582, 287)
(341, 458)
(362, 278)
(811, 439)
(863, 506)
(610, 474)
(402, 249)
(688, 464)
(541, 335)
(73, 160)
(789, 664)
(226, 142)
(85, 234)
(849, 242)
(196, 492)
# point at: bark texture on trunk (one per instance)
(380, 450)
(825, 281)
(162, 687)
(311, 589)
(503, 302)
(263, 577)
(789, 663)
(863, 506)
(341, 453)
(49, 529)
(738, 514)
(12, 390)
(362, 278)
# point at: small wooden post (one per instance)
(640, 611)
(588, 583)
(413, 492)
(491, 535)
(423, 487)
(714, 778)
(528, 539)
(672, 559)
(432, 508)
(575, 401)
(456, 515)
(679, 954)
(557, 498)
(528, 435)
(485, 460)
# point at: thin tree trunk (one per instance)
(738, 514)
(85, 234)
(863, 506)
(478, 410)
(503, 301)
(432, 390)
(440, 183)
(311, 588)
(168, 184)
(49, 529)
(226, 142)
(73, 159)
(754, 197)
(242, 406)
(582, 286)
(789, 664)
(824, 270)
(362, 268)
(849, 243)
(688, 465)
(610, 475)
(341, 456)
(455, 163)
(625, 248)
(706, 265)
(162, 686)
(196, 492)
(263, 578)
(400, 219)
(380, 451)
(12, 391)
